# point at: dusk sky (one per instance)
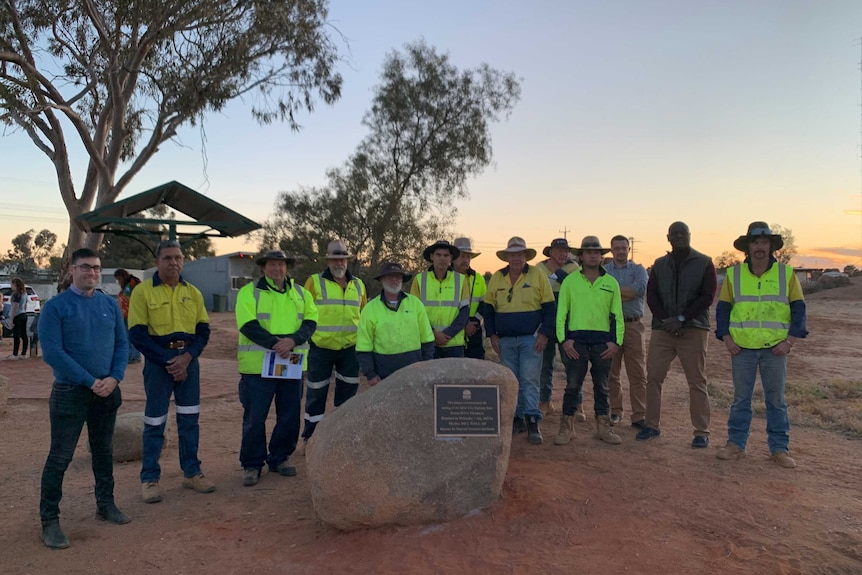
(634, 114)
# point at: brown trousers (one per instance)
(632, 351)
(690, 347)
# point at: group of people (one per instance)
(590, 311)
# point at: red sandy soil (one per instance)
(655, 507)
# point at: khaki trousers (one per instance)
(690, 347)
(632, 351)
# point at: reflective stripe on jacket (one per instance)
(760, 316)
(337, 310)
(442, 300)
(279, 313)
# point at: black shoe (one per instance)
(639, 424)
(53, 536)
(111, 514)
(519, 426)
(534, 436)
(250, 476)
(615, 418)
(700, 442)
(647, 433)
(286, 469)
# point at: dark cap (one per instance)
(276, 255)
(556, 243)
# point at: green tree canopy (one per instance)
(119, 78)
(31, 250)
(788, 251)
(429, 132)
(727, 259)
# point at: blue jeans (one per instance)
(159, 385)
(322, 363)
(546, 381)
(69, 407)
(518, 353)
(773, 369)
(589, 356)
(256, 394)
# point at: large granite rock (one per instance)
(4, 394)
(129, 436)
(375, 460)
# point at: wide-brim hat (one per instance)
(390, 268)
(556, 243)
(590, 243)
(515, 246)
(276, 255)
(465, 246)
(336, 250)
(759, 230)
(440, 245)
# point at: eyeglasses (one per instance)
(87, 268)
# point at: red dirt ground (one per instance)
(658, 507)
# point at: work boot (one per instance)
(730, 451)
(519, 425)
(603, 431)
(151, 492)
(783, 459)
(547, 407)
(534, 436)
(53, 536)
(250, 476)
(111, 514)
(199, 483)
(567, 430)
(286, 469)
(579, 413)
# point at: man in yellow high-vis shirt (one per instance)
(446, 296)
(169, 324)
(274, 316)
(339, 297)
(759, 317)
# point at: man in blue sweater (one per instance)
(84, 341)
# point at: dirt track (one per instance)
(658, 507)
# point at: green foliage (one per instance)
(127, 74)
(788, 252)
(429, 131)
(727, 259)
(31, 250)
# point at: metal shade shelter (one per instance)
(122, 218)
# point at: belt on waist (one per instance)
(178, 344)
(631, 319)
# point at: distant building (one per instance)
(220, 277)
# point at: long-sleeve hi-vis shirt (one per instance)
(590, 313)
(266, 313)
(337, 309)
(159, 314)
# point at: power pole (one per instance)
(564, 231)
(632, 241)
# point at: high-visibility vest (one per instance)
(386, 331)
(277, 313)
(337, 311)
(760, 316)
(478, 289)
(442, 300)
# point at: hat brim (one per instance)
(262, 260)
(776, 242)
(530, 253)
(579, 251)
(406, 277)
(426, 255)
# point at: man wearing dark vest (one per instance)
(760, 316)
(680, 290)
